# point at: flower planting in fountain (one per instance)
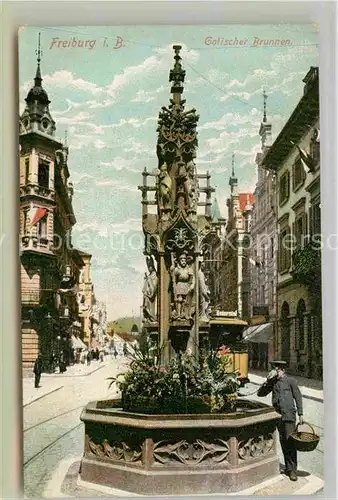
(184, 385)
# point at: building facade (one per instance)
(294, 157)
(86, 298)
(263, 268)
(234, 289)
(50, 266)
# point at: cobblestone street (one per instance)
(54, 433)
(52, 427)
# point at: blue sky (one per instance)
(108, 100)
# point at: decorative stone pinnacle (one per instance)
(177, 74)
(233, 165)
(265, 97)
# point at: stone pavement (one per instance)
(51, 382)
(66, 483)
(47, 386)
(310, 388)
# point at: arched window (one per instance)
(285, 332)
(301, 324)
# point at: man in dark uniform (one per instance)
(285, 393)
(37, 371)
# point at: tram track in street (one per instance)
(50, 445)
(53, 418)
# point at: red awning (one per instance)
(39, 213)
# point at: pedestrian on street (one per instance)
(89, 358)
(286, 397)
(125, 349)
(115, 352)
(52, 362)
(37, 371)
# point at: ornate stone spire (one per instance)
(177, 75)
(264, 106)
(233, 178)
(265, 128)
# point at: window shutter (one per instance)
(293, 246)
(305, 228)
(288, 184)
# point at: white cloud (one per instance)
(143, 96)
(130, 225)
(118, 184)
(79, 118)
(78, 177)
(66, 80)
(149, 69)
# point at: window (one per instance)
(26, 170)
(298, 174)
(315, 147)
(25, 217)
(284, 253)
(262, 295)
(271, 293)
(300, 324)
(315, 225)
(43, 174)
(284, 188)
(300, 229)
(42, 227)
(272, 253)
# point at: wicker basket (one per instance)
(305, 441)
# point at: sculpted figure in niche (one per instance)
(191, 186)
(165, 187)
(150, 291)
(183, 285)
(204, 297)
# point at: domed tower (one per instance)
(36, 116)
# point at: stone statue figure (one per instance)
(150, 291)
(165, 187)
(183, 285)
(204, 294)
(191, 187)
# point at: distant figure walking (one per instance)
(37, 370)
(89, 358)
(115, 352)
(125, 349)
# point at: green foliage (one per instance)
(307, 264)
(185, 385)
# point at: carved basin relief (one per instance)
(191, 452)
(256, 446)
(116, 450)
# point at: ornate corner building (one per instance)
(50, 265)
(294, 160)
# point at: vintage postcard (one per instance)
(170, 249)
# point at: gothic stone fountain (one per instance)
(177, 454)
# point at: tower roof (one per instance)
(215, 211)
(38, 93)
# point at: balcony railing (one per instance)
(37, 190)
(39, 243)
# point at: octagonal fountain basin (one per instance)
(180, 454)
